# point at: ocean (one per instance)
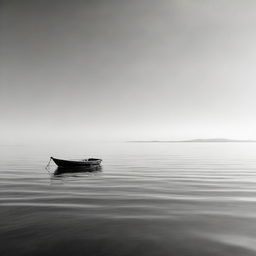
(193, 199)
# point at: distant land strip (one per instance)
(195, 140)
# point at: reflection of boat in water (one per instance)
(89, 163)
(77, 169)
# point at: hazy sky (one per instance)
(127, 69)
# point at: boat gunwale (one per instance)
(70, 163)
(78, 160)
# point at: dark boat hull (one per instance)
(77, 169)
(91, 162)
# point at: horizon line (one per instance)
(217, 140)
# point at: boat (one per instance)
(88, 163)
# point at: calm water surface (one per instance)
(148, 199)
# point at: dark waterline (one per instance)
(148, 199)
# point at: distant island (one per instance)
(194, 140)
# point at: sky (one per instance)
(119, 70)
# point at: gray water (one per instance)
(148, 199)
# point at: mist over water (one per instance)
(148, 199)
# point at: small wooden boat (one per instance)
(89, 163)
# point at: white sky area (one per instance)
(127, 70)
